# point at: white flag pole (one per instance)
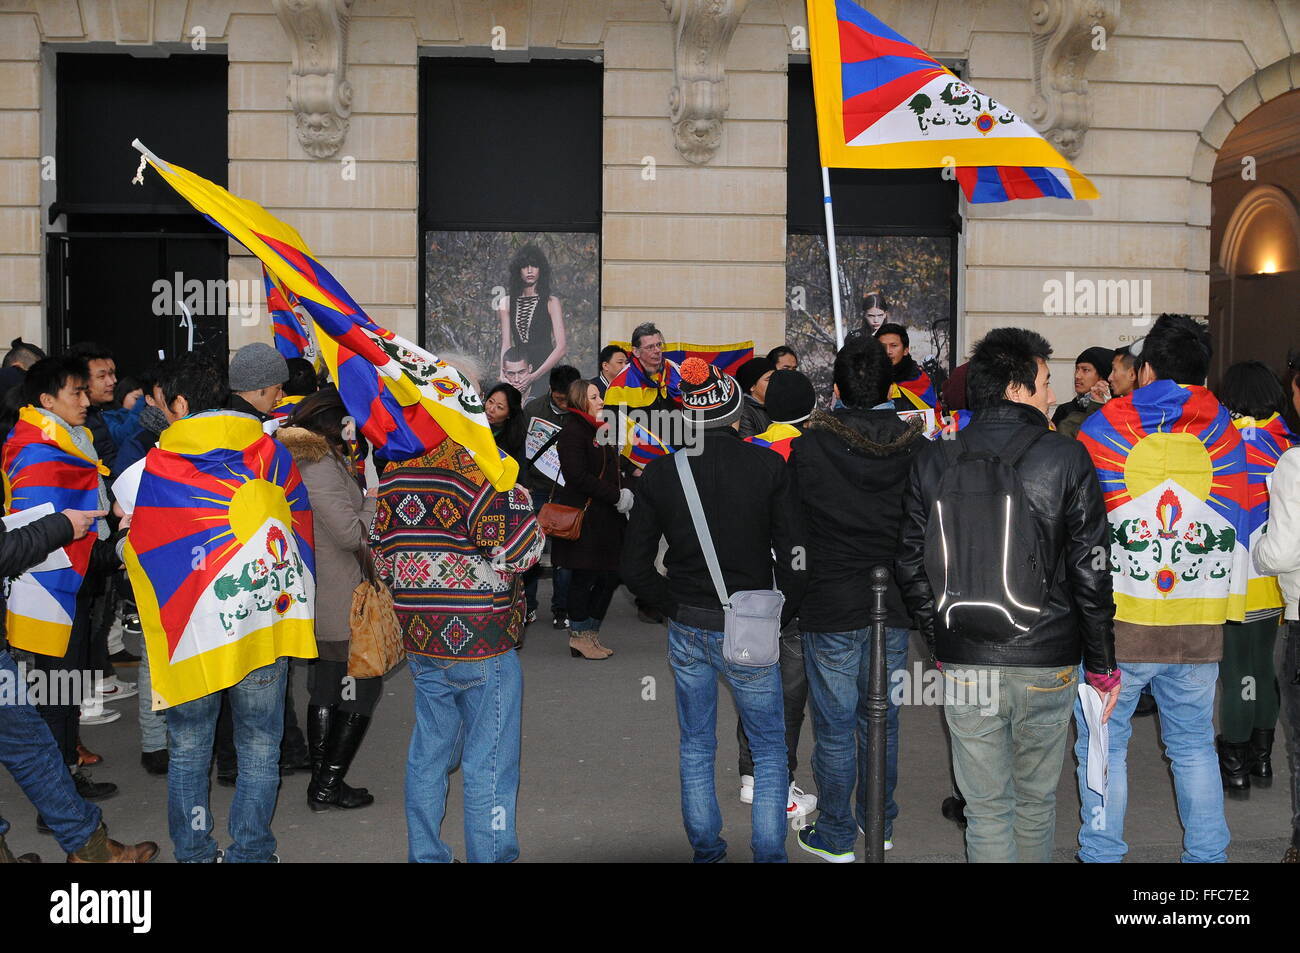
(834, 258)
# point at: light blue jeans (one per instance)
(467, 712)
(257, 703)
(153, 724)
(695, 656)
(1185, 698)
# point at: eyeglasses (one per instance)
(650, 347)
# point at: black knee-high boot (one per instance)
(327, 788)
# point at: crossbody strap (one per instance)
(701, 527)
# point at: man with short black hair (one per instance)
(1174, 471)
(1002, 526)
(17, 360)
(552, 407)
(849, 468)
(1123, 373)
(1090, 390)
(912, 388)
(516, 369)
(612, 360)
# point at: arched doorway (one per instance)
(1255, 238)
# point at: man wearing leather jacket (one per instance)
(1008, 699)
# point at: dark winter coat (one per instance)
(848, 471)
(754, 418)
(603, 526)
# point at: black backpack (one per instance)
(982, 549)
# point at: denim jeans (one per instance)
(696, 659)
(1185, 698)
(257, 704)
(1009, 728)
(794, 691)
(153, 724)
(468, 712)
(1289, 681)
(28, 751)
(839, 667)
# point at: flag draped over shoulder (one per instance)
(1265, 441)
(404, 400)
(1174, 477)
(634, 386)
(778, 437)
(725, 357)
(918, 393)
(884, 103)
(220, 556)
(42, 465)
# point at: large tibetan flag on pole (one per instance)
(292, 336)
(43, 468)
(219, 554)
(884, 103)
(405, 401)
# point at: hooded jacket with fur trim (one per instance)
(848, 471)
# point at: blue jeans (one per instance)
(28, 751)
(468, 712)
(257, 703)
(696, 659)
(153, 724)
(1185, 697)
(839, 667)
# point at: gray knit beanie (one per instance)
(255, 366)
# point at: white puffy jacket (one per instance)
(1278, 551)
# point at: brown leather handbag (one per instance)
(376, 646)
(565, 522)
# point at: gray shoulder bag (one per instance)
(752, 627)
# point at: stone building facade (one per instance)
(1140, 93)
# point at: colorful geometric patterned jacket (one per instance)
(452, 550)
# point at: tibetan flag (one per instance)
(1173, 473)
(1265, 440)
(884, 103)
(916, 394)
(404, 400)
(292, 337)
(286, 405)
(634, 386)
(778, 437)
(726, 357)
(41, 466)
(220, 556)
(640, 445)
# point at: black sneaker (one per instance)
(92, 790)
(560, 623)
(155, 762)
(124, 658)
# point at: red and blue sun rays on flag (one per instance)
(1002, 183)
(1163, 407)
(191, 504)
(1266, 441)
(879, 68)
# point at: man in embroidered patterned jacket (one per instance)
(453, 551)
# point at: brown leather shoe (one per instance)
(86, 757)
(583, 645)
(101, 849)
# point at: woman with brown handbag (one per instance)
(591, 465)
(340, 706)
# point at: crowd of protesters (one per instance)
(1010, 523)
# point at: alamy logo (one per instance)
(77, 906)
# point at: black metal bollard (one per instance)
(877, 710)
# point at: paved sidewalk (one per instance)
(599, 777)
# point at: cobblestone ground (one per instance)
(599, 775)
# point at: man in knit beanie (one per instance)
(1091, 391)
(745, 496)
(257, 375)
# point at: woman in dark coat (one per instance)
(592, 470)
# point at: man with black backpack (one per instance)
(1003, 562)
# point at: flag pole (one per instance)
(834, 259)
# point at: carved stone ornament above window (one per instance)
(1066, 34)
(319, 92)
(698, 100)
